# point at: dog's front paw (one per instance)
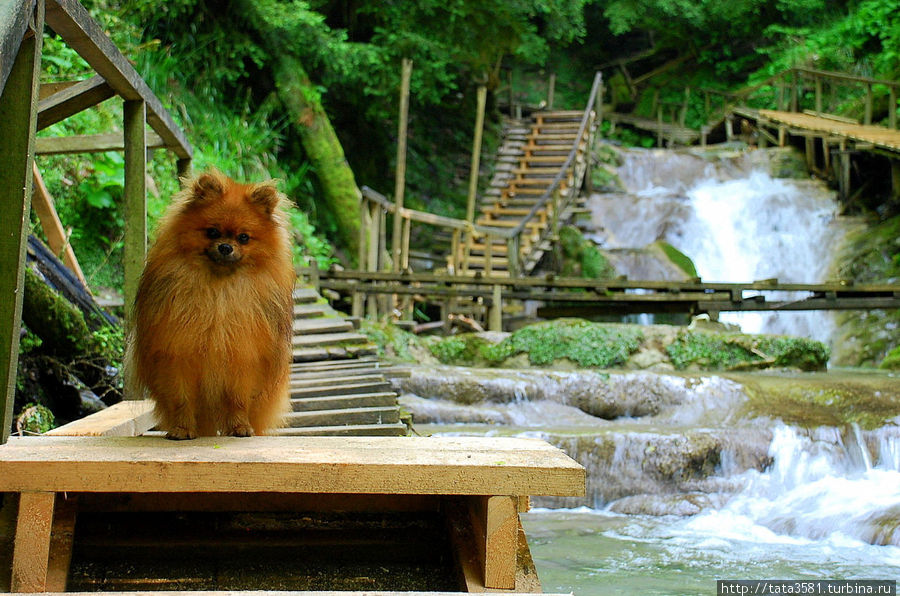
(179, 433)
(241, 430)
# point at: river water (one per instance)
(685, 484)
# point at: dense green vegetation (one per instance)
(219, 65)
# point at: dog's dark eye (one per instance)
(243, 238)
(213, 233)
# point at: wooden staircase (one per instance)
(338, 386)
(533, 153)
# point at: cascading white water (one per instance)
(733, 219)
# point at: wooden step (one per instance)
(322, 325)
(496, 262)
(310, 310)
(519, 212)
(554, 136)
(305, 295)
(543, 159)
(332, 352)
(325, 339)
(573, 126)
(378, 415)
(337, 380)
(382, 399)
(559, 115)
(397, 429)
(505, 223)
(538, 171)
(328, 366)
(531, 149)
(361, 371)
(322, 390)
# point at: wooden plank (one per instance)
(52, 226)
(84, 35)
(128, 418)
(14, 20)
(62, 538)
(72, 99)
(18, 110)
(31, 551)
(376, 465)
(495, 522)
(113, 141)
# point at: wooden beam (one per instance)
(62, 538)
(135, 197)
(31, 551)
(84, 35)
(18, 115)
(15, 17)
(495, 522)
(400, 175)
(73, 99)
(129, 418)
(113, 141)
(52, 226)
(343, 465)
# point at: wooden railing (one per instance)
(521, 241)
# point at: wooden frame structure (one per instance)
(24, 110)
(479, 484)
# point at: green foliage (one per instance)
(390, 340)
(892, 360)
(110, 341)
(581, 257)
(585, 343)
(718, 351)
(681, 260)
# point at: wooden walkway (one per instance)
(877, 136)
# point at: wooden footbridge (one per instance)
(109, 504)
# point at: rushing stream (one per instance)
(689, 480)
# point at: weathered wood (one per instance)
(15, 17)
(31, 550)
(90, 143)
(135, 197)
(72, 99)
(18, 115)
(62, 538)
(52, 226)
(83, 34)
(400, 174)
(476, 153)
(128, 418)
(348, 465)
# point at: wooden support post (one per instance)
(135, 197)
(729, 127)
(400, 177)
(495, 522)
(373, 252)
(892, 107)
(810, 153)
(488, 255)
(18, 119)
(795, 92)
(818, 83)
(551, 90)
(867, 118)
(826, 154)
(782, 135)
(512, 256)
(495, 321)
(404, 248)
(62, 536)
(453, 263)
(476, 153)
(844, 174)
(659, 127)
(31, 552)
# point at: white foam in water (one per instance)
(815, 491)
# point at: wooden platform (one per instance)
(478, 484)
(879, 136)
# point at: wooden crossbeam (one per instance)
(71, 100)
(113, 141)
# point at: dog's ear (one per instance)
(208, 185)
(266, 196)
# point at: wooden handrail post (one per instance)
(495, 317)
(400, 178)
(18, 121)
(364, 223)
(795, 90)
(551, 90)
(867, 119)
(818, 83)
(135, 250)
(512, 256)
(892, 107)
(476, 153)
(404, 252)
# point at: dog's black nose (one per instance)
(225, 249)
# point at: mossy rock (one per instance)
(701, 350)
(606, 179)
(581, 257)
(892, 360)
(395, 343)
(677, 258)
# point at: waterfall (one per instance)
(732, 218)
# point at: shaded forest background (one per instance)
(218, 65)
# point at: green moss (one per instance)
(389, 339)
(678, 258)
(892, 360)
(581, 257)
(35, 419)
(812, 402)
(465, 349)
(726, 351)
(587, 344)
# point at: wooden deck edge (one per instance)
(128, 418)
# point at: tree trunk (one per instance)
(302, 100)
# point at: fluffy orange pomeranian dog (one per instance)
(210, 337)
